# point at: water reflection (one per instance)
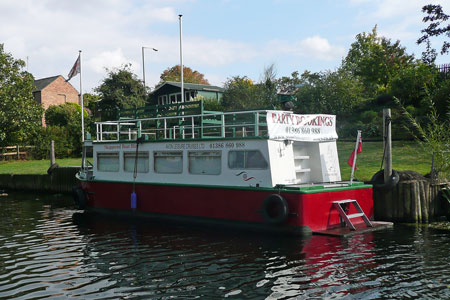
(48, 250)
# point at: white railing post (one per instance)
(165, 128)
(223, 125)
(193, 131)
(118, 131)
(257, 124)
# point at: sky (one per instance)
(221, 38)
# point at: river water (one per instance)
(49, 250)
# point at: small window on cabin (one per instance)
(108, 162)
(205, 162)
(179, 97)
(173, 98)
(142, 162)
(168, 162)
(246, 159)
(162, 99)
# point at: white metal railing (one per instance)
(190, 126)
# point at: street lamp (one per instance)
(143, 62)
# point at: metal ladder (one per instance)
(346, 217)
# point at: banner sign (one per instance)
(283, 125)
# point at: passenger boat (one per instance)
(262, 169)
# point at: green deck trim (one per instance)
(284, 189)
(204, 139)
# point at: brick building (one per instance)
(54, 91)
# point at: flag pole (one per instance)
(181, 59)
(358, 138)
(82, 104)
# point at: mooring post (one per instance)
(387, 143)
(52, 153)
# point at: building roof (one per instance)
(40, 84)
(191, 86)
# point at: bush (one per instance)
(42, 141)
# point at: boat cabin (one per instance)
(184, 144)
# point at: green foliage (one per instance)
(63, 145)
(375, 60)
(441, 99)
(241, 93)
(189, 75)
(67, 117)
(90, 102)
(121, 89)
(411, 83)
(433, 135)
(20, 115)
(329, 93)
(212, 105)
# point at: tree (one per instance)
(411, 84)
(121, 89)
(329, 93)
(20, 115)
(436, 27)
(375, 60)
(67, 116)
(241, 93)
(268, 86)
(189, 75)
(90, 101)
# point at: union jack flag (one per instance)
(75, 69)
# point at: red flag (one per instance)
(352, 156)
(75, 69)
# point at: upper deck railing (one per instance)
(176, 121)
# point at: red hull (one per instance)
(314, 210)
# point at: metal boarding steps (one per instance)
(347, 218)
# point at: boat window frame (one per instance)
(200, 151)
(134, 155)
(245, 167)
(115, 153)
(168, 151)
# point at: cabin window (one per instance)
(173, 98)
(189, 96)
(205, 162)
(168, 162)
(248, 159)
(108, 162)
(162, 99)
(142, 162)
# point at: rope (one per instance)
(135, 163)
(386, 125)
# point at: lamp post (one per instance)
(143, 62)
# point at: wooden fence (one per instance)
(14, 152)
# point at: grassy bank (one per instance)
(406, 156)
(34, 166)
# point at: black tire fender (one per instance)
(378, 180)
(275, 209)
(52, 167)
(79, 197)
